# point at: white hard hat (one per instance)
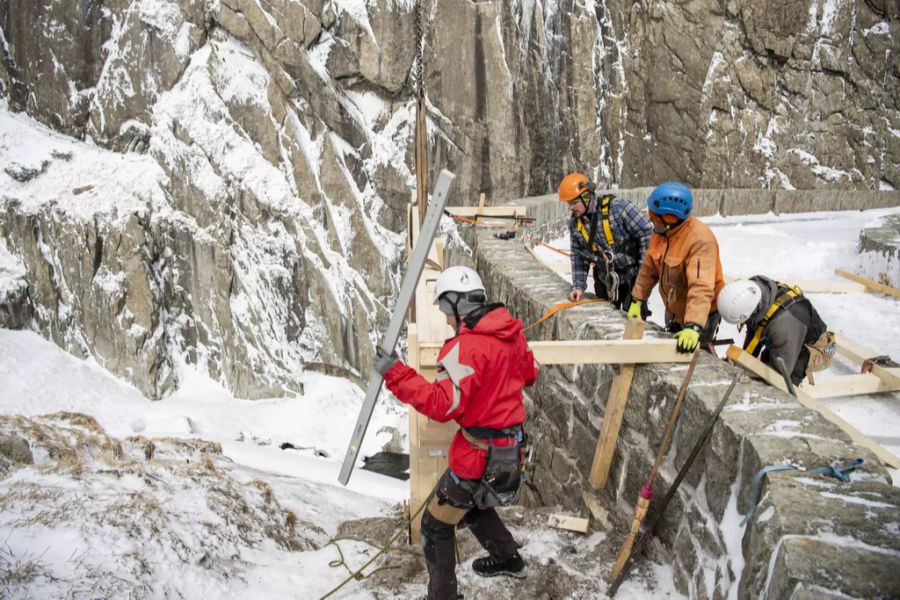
(738, 300)
(457, 279)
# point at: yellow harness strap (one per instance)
(604, 213)
(786, 297)
(607, 230)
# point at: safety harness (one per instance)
(788, 296)
(607, 229)
(504, 470)
(608, 254)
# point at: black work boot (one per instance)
(489, 566)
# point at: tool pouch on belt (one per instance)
(821, 352)
(504, 475)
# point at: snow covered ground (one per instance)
(38, 378)
(811, 246)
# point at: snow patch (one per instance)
(12, 274)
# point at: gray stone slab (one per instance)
(747, 202)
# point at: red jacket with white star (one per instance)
(480, 375)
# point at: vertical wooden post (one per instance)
(615, 411)
(421, 148)
(428, 440)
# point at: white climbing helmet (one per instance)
(457, 279)
(738, 300)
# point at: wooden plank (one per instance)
(615, 411)
(600, 514)
(487, 211)
(859, 354)
(428, 439)
(749, 363)
(439, 253)
(568, 522)
(432, 323)
(817, 286)
(852, 350)
(889, 375)
(847, 385)
(871, 284)
(579, 352)
(480, 204)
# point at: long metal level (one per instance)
(407, 291)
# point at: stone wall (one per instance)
(879, 247)
(811, 536)
(728, 202)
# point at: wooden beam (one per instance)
(578, 524)
(871, 284)
(615, 411)
(859, 354)
(600, 514)
(487, 211)
(770, 376)
(848, 385)
(852, 350)
(581, 352)
(817, 286)
(889, 375)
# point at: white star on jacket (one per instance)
(456, 371)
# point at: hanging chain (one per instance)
(421, 137)
(419, 62)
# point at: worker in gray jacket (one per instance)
(781, 323)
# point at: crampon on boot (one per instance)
(488, 566)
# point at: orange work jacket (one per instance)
(685, 262)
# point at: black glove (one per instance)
(383, 361)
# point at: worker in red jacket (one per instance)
(480, 375)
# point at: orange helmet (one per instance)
(572, 186)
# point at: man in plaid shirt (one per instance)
(607, 233)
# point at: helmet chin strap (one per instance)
(457, 317)
(587, 203)
(453, 299)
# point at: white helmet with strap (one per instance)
(738, 300)
(457, 279)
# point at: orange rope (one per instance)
(557, 250)
(544, 244)
(562, 306)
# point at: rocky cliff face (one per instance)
(274, 144)
(774, 94)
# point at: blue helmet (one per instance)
(671, 198)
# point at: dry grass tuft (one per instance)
(77, 419)
(18, 571)
(266, 490)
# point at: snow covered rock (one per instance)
(151, 517)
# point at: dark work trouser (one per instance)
(451, 504)
(626, 283)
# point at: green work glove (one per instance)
(634, 311)
(688, 338)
